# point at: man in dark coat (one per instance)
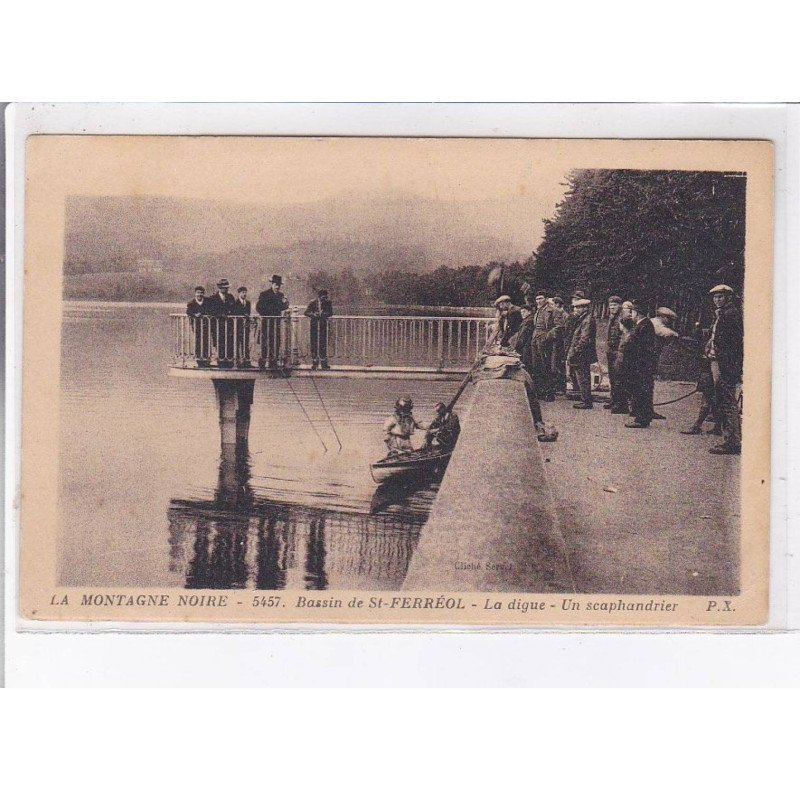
(725, 351)
(444, 431)
(271, 305)
(542, 325)
(582, 352)
(198, 310)
(556, 340)
(618, 402)
(523, 339)
(242, 311)
(569, 328)
(509, 321)
(638, 367)
(522, 342)
(319, 311)
(222, 306)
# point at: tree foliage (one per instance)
(344, 287)
(445, 286)
(654, 235)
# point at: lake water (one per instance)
(147, 498)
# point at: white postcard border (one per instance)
(775, 122)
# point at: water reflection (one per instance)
(239, 540)
(117, 483)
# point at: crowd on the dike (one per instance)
(555, 344)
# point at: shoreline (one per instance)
(476, 311)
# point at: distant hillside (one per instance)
(198, 241)
(124, 286)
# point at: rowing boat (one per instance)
(411, 464)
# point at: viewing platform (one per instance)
(241, 348)
(235, 351)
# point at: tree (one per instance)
(345, 287)
(660, 236)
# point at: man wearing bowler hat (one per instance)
(242, 310)
(221, 306)
(270, 306)
(725, 351)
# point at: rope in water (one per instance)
(325, 409)
(310, 421)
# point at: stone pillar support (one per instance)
(234, 400)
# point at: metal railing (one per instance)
(437, 343)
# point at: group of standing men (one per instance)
(554, 344)
(536, 331)
(223, 322)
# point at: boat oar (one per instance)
(492, 339)
(461, 388)
(468, 377)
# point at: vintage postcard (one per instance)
(396, 381)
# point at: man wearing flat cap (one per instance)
(725, 351)
(222, 306)
(197, 311)
(663, 324)
(270, 306)
(556, 337)
(509, 321)
(582, 351)
(569, 329)
(638, 366)
(541, 344)
(522, 341)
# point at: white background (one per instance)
(463, 745)
(386, 659)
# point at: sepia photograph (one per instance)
(396, 380)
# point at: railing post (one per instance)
(363, 343)
(182, 323)
(294, 324)
(236, 355)
(440, 344)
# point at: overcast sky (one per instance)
(509, 185)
